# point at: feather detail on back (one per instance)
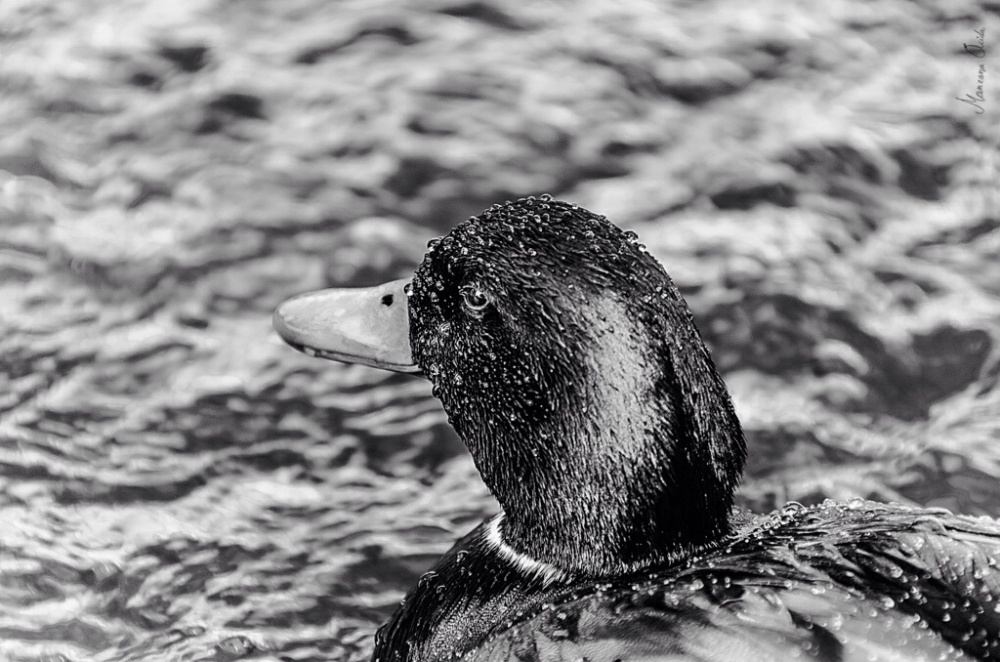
(837, 582)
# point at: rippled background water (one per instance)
(177, 485)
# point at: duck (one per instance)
(572, 369)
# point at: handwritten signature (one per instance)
(978, 98)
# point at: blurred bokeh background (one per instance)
(175, 484)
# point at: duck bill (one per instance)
(369, 325)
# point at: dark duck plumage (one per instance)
(569, 364)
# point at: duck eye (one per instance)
(474, 298)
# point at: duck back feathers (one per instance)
(836, 582)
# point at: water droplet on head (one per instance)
(426, 578)
(792, 508)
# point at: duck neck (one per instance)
(634, 458)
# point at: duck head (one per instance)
(570, 366)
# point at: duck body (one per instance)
(840, 582)
(572, 369)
